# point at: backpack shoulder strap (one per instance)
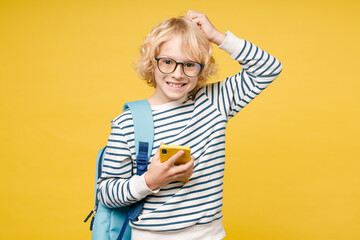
(143, 130)
(144, 137)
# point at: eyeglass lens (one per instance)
(168, 65)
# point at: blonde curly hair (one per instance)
(193, 41)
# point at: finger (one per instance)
(190, 164)
(190, 13)
(189, 174)
(186, 167)
(197, 21)
(171, 161)
(201, 21)
(193, 13)
(183, 175)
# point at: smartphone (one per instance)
(167, 151)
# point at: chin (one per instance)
(176, 97)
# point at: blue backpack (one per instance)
(111, 223)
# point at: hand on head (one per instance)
(202, 21)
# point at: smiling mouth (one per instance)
(176, 85)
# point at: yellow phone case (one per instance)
(166, 151)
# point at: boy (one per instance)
(176, 60)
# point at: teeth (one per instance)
(175, 85)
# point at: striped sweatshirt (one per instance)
(198, 123)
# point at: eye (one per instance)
(190, 64)
(168, 61)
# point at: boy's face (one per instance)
(172, 86)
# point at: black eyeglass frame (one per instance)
(182, 65)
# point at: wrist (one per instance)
(152, 186)
(218, 38)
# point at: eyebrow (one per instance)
(187, 60)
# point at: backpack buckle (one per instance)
(142, 158)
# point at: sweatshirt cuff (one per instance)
(232, 45)
(138, 187)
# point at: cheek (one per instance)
(193, 83)
(158, 76)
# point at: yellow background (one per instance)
(292, 169)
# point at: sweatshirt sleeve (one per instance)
(259, 69)
(118, 185)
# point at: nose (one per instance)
(178, 73)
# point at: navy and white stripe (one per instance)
(199, 124)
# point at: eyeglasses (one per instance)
(168, 65)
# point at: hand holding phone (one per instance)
(165, 170)
(167, 151)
